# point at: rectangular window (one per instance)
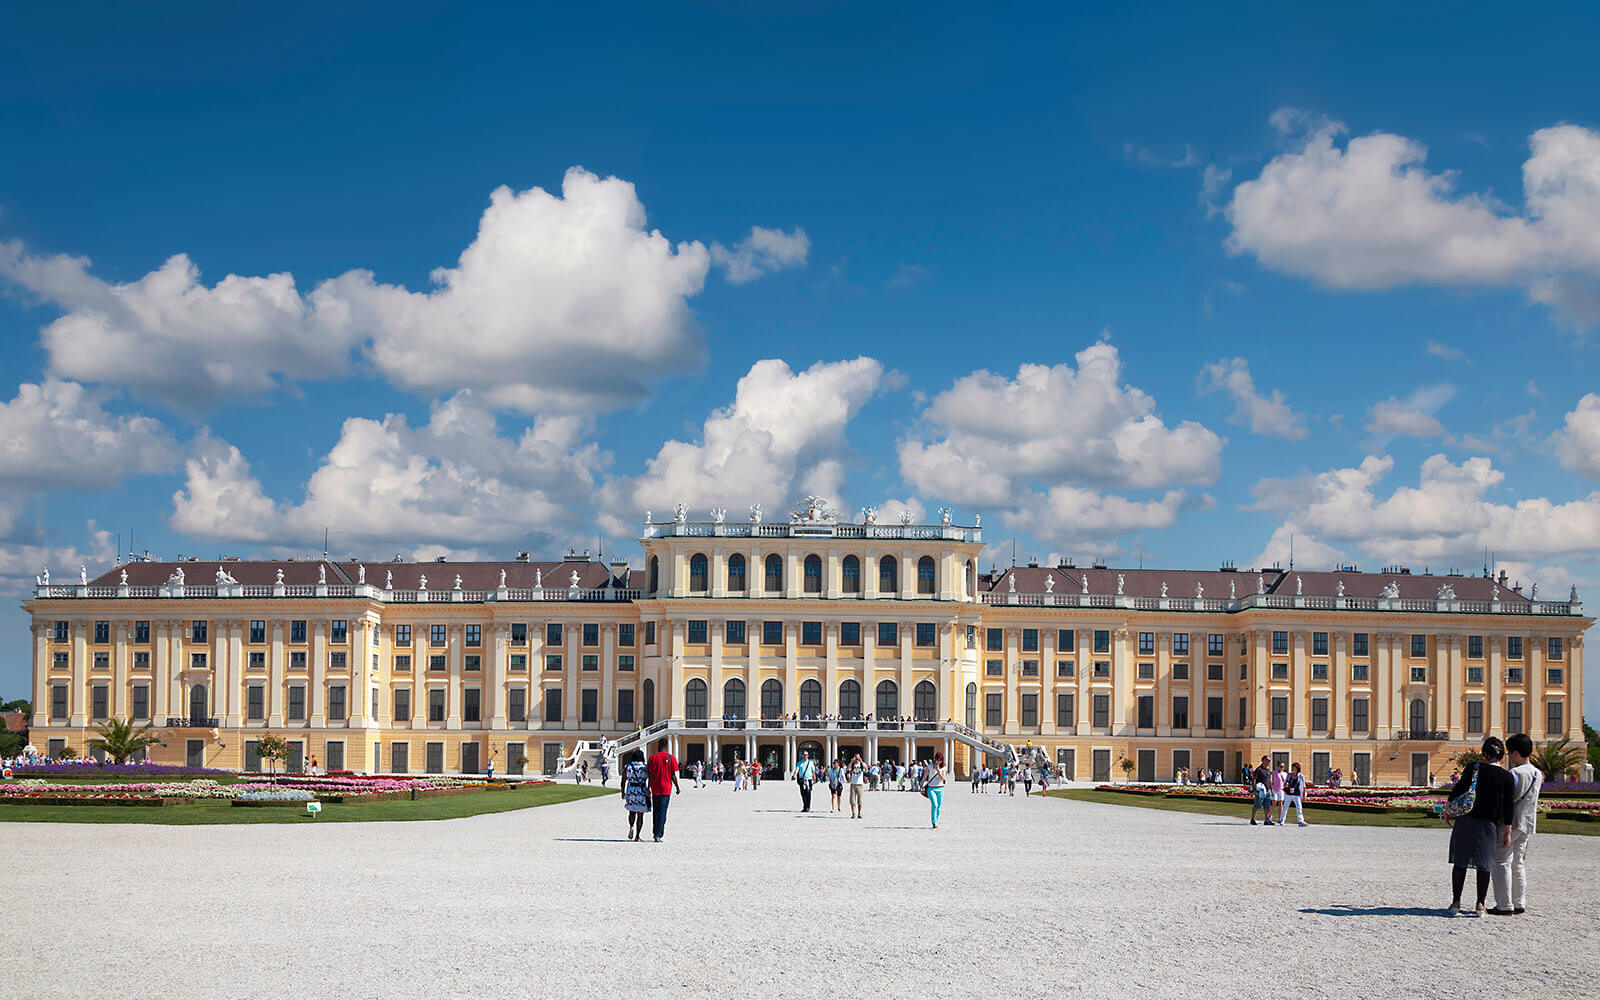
(1066, 668)
(297, 630)
(1180, 643)
(810, 633)
(336, 703)
(1180, 713)
(993, 711)
(1419, 675)
(888, 634)
(258, 631)
(102, 632)
(698, 631)
(519, 633)
(1514, 647)
(1359, 722)
(733, 632)
(1030, 709)
(197, 661)
(58, 701)
(1147, 643)
(649, 633)
(552, 661)
(474, 635)
(297, 659)
(928, 635)
(1319, 644)
(1145, 712)
(402, 705)
(1474, 647)
(1358, 672)
(1319, 671)
(552, 705)
(1180, 671)
(1474, 675)
(436, 704)
(1358, 644)
(99, 695)
(1280, 642)
(338, 631)
(1030, 668)
(519, 663)
(772, 633)
(1553, 676)
(141, 702)
(552, 634)
(1280, 671)
(399, 758)
(436, 663)
(1030, 640)
(1319, 715)
(849, 633)
(1213, 713)
(438, 635)
(255, 703)
(517, 705)
(1554, 718)
(402, 663)
(1213, 671)
(625, 662)
(1244, 712)
(334, 752)
(1214, 645)
(625, 707)
(1147, 671)
(1513, 675)
(141, 632)
(336, 660)
(198, 631)
(589, 661)
(1065, 710)
(256, 659)
(1102, 640)
(1102, 668)
(994, 640)
(1514, 716)
(472, 661)
(102, 660)
(591, 634)
(1280, 713)
(297, 703)
(590, 703)
(471, 705)
(625, 633)
(61, 631)
(1553, 645)
(1066, 640)
(1419, 645)
(1102, 711)
(994, 668)
(1475, 718)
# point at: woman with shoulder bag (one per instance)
(935, 789)
(1294, 790)
(1479, 808)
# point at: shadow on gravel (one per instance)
(592, 840)
(1345, 910)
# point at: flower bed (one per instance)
(91, 767)
(95, 800)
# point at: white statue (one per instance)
(574, 579)
(682, 513)
(124, 578)
(177, 577)
(905, 517)
(1086, 583)
(1341, 588)
(1050, 583)
(1391, 590)
(977, 520)
(1533, 594)
(755, 513)
(647, 517)
(222, 578)
(1494, 594)
(361, 574)
(83, 576)
(1119, 584)
(422, 582)
(1447, 592)
(44, 578)
(458, 581)
(538, 579)
(944, 516)
(279, 580)
(719, 514)
(1232, 593)
(1199, 591)
(502, 578)
(1261, 584)
(1299, 585)
(322, 574)
(1163, 588)
(388, 579)
(1013, 579)
(869, 515)
(1571, 598)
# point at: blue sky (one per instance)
(1172, 286)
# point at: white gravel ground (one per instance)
(749, 898)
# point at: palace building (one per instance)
(762, 639)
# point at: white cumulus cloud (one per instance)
(1265, 414)
(1577, 444)
(1412, 416)
(56, 434)
(762, 252)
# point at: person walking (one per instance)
(1487, 824)
(636, 794)
(805, 775)
(1277, 783)
(1259, 782)
(489, 772)
(858, 785)
(935, 789)
(1510, 861)
(663, 775)
(1294, 789)
(699, 769)
(835, 786)
(1027, 781)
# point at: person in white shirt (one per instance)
(857, 777)
(1510, 868)
(1294, 790)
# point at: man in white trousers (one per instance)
(1510, 869)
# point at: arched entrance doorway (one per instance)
(198, 713)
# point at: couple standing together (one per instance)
(648, 787)
(1498, 813)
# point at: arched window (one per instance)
(774, 573)
(197, 704)
(888, 575)
(972, 706)
(648, 717)
(1419, 716)
(924, 701)
(849, 700)
(655, 574)
(736, 573)
(813, 575)
(699, 573)
(810, 702)
(925, 575)
(733, 701)
(888, 700)
(772, 698)
(850, 572)
(694, 701)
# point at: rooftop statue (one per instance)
(1299, 585)
(1050, 583)
(1446, 592)
(1086, 583)
(1119, 584)
(1012, 576)
(977, 520)
(1199, 591)
(1341, 588)
(361, 574)
(945, 516)
(647, 517)
(83, 575)
(176, 579)
(869, 515)
(124, 578)
(538, 579)
(1494, 594)
(1391, 590)
(458, 581)
(322, 574)
(905, 517)
(388, 579)
(574, 579)
(719, 514)
(1261, 584)
(1534, 593)
(755, 513)
(422, 582)
(681, 512)
(1232, 593)
(279, 580)
(502, 578)
(1163, 588)
(1573, 597)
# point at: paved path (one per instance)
(748, 898)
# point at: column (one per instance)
(672, 697)
(1533, 714)
(1164, 689)
(572, 660)
(161, 672)
(830, 664)
(869, 666)
(1455, 699)
(1575, 687)
(359, 697)
(1258, 673)
(495, 711)
(791, 671)
(608, 675)
(117, 701)
(276, 657)
(1122, 703)
(714, 671)
(1381, 686)
(1084, 707)
(41, 675)
(1300, 696)
(78, 703)
(235, 675)
(1197, 688)
(905, 682)
(175, 629)
(1398, 679)
(453, 666)
(1013, 680)
(1494, 711)
(1339, 705)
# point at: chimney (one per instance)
(619, 571)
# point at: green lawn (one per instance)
(1330, 817)
(209, 811)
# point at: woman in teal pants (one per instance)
(935, 788)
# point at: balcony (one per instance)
(192, 722)
(1427, 735)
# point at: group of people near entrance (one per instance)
(1008, 776)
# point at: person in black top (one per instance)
(1477, 834)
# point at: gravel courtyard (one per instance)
(747, 897)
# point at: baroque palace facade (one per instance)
(407, 666)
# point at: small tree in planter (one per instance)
(272, 749)
(1127, 768)
(120, 739)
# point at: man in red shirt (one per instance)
(663, 773)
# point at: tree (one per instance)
(22, 705)
(272, 749)
(1593, 739)
(1469, 756)
(66, 753)
(1127, 768)
(1556, 758)
(120, 739)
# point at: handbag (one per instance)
(1462, 804)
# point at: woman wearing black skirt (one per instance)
(1476, 834)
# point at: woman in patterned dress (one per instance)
(635, 795)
